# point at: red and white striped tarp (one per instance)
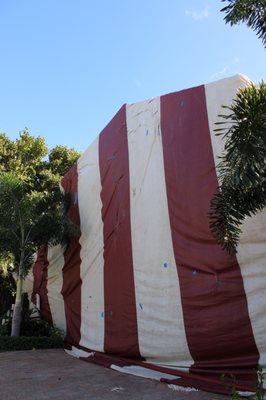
(146, 285)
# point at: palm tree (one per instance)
(28, 220)
(252, 12)
(242, 170)
(32, 207)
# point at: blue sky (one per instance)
(67, 66)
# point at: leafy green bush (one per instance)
(35, 333)
(35, 326)
(32, 324)
(8, 343)
(4, 330)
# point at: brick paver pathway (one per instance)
(54, 375)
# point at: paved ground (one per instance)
(54, 375)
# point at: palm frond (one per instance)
(242, 169)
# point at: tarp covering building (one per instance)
(146, 285)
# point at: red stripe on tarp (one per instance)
(216, 319)
(121, 336)
(71, 290)
(40, 274)
(70, 185)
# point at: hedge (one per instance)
(8, 343)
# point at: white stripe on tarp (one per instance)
(218, 94)
(251, 258)
(75, 352)
(91, 253)
(28, 284)
(159, 312)
(56, 261)
(144, 372)
(252, 246)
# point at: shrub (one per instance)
(8, 343)
(35, 333)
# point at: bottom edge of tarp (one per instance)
(175, 378)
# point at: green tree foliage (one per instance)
(23, 157)
(60, 160)
(29, 219)
(31, 203)
(252, 12)
(29, 159)
(242, 170)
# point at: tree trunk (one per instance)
(17, 312)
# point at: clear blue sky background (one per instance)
(67, 66)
